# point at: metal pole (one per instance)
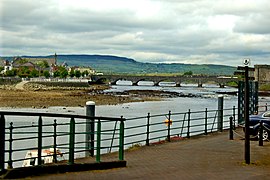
(169, 127)
(10, 166)
(188, 126)
(148, 128)
(205, 123)
(247, 138)
(98, 140)
(54, 141)
(2, 143)
(39, 140)
(220, 112)
(90, 129)
(121, 139)
(231, 128)
(71, 141)
(234, 117)
(261, 134)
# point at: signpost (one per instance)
(245, 72)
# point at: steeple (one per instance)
(55, 58)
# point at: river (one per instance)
(205, 97)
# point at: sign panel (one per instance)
(246, 62)
(243, 68)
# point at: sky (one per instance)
(221, 32)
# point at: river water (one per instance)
(205, 97)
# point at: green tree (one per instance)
(22, 61)
(72, 73)
(56, 73)
(78, 73)
(46, 74)
(188, 73)
(24, 72)
(34, 73)
(43, 64)
(63, 73)
(85, 73)
(11, 73)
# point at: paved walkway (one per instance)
(205, 157)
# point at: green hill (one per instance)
(116, 64)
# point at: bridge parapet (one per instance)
(200, 80)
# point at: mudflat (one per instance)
(11, 96)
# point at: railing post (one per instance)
(231, 128)
(71, 141)
(205, 123)
(148, 129)
(234, 117)
(169, 127)
(98, 140)
(121, 139)
(261, 134)
(39, 140)
(90, 129)
(188, 126)
(10, 166)
(54, 141)
(220, 113)
(2, 143)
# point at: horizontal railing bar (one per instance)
(137, 134)
(21, 127)
(157, 123)
(197, 119)
(25, 138)
(135, 118)
(158, 137)
(108, 139)
(135, 127)
(182, 113)
(197, 125)
(159, 130)
(59, 115)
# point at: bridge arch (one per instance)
(178, 80)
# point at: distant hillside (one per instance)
(115, 64)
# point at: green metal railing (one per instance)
(67, 132)
(21, 132)
(153, 128)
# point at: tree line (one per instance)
(26, 72)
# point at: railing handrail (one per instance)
(60, 115)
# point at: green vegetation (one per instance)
(189, 73)
(232, 84)
(122, 65)
(43, 64)
(265, 87)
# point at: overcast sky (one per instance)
(171, 31)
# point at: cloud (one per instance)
(186, 31)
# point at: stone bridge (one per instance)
(200, 80)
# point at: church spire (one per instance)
(55, 58)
